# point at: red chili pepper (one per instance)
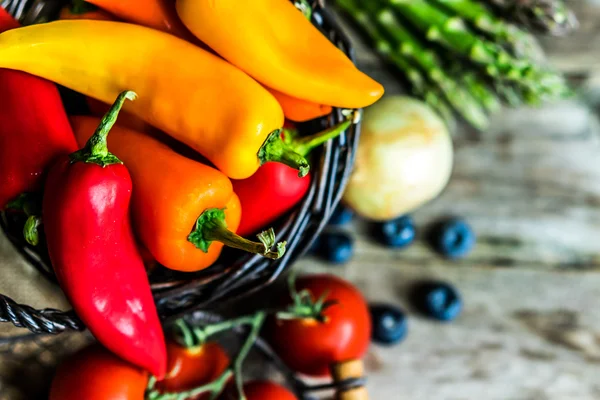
(276, 188)
(94, 254)
(34, 129)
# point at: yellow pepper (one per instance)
(189, 93)
(275, 44)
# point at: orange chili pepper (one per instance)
(188, 93)
(156, 14)
(299, 110)
(276, 44)
(183, 211)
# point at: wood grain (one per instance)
(530, 187)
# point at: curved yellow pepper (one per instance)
(191, 94)
(275, 44)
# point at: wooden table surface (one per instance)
(530, 187)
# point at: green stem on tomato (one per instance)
(186, 334)
(304, 306)
(211, 226)
(215, 387)
(95, 150)
(205, 332)
(257, 323)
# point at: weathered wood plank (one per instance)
(523, 335)
(530, 185)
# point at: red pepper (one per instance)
(94, 254)
(275, 188)
(34, 128)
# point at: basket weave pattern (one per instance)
(235, 274)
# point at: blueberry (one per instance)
(437, 300)
(398, 233)
(453, 238)
(336, 247)
(341, 216)
(389, 324)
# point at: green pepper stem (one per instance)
(292, 150)
(95, 150)
(304, 145)
(211, 226)
(276, 150)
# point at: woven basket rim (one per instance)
(224, 282)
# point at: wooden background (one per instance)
(530, 187)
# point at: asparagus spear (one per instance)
(419, 85)
(481, 92)
(483, 19)
(541, 16)
(453, 33)
(407, 45)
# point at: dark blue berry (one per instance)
(437, 300)
(390, 324)
(336, 247)
(453, 238)
(398, 233)
(341, 216)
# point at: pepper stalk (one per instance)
(211, 227)
(95, 150)
(293, 152)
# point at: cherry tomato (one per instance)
(190, 368)
(94, 373)
(311, 347)
(265, 390)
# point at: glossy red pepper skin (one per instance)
(94, 254)
(271, 192)
(34, 128)
(275, 188)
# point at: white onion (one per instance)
(404, 159)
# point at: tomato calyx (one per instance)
(194, 338)
(303, 306)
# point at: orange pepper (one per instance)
(299, 110)
(275, 44)
(156, 14)
(192, 95)
(182, 210)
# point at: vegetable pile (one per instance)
(199, 157)
(463, 54)
(324, 326)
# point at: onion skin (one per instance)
(404, 159)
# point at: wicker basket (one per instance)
(235, 274)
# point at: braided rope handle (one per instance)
(38, 321)
(251, 273)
